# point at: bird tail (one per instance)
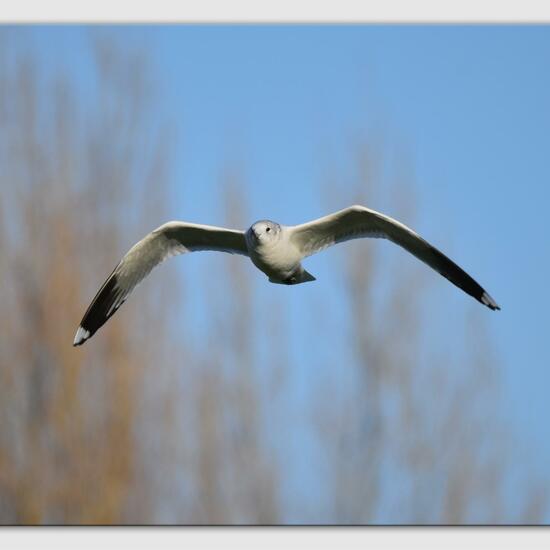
(306, 277)
(299, 276)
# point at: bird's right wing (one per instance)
(167, 240)
(357, 221)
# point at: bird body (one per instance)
(272, 251)
(275, 249)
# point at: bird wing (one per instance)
(167, 240)
(357, 221)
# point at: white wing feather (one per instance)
(167, 240)
(357, 222)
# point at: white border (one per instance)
(266, 538)
(172, 11)
(249, 11)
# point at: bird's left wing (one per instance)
(167, 240)
(357, 221)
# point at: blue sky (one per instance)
(469, 108)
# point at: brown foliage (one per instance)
(419, 436)
(133, 428)
(67, 449)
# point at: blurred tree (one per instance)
(418, 436)
(95, 434)
(236, 472)
(80, 178)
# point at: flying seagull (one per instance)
(275, 249)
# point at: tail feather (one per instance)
(299, 276)
(306, 277)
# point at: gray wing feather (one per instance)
(167, 240)
(357, 222)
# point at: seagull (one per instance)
(275, 249)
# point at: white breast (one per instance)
(278, 258)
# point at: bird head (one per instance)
(264, 231)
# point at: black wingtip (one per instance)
(81, 336)
(104, 305)
(489, 302)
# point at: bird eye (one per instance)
(267, 229)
